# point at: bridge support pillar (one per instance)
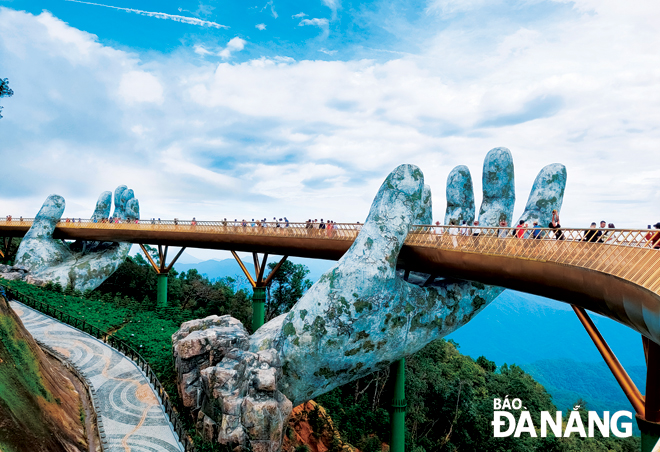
(258, 307)
(650, 433)
(398, 422)
(161, 290)
(649, 424)
(162, 270)
(259, 286)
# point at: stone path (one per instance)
(131, 416)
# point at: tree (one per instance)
(288, 285)
(5, 91)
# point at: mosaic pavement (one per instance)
(131, 416)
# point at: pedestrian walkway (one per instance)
(131, 417)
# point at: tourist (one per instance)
(654, 241)
(520, 229)
(536, 230)
(556, 226)
(603, 234)
(453, 232)
(464, 229)
(476, 230)
(193, 222)
(593, 234)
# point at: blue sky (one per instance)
(262, 109)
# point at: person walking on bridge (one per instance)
(654, 241)
(593, 234)
(556, 226)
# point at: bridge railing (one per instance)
(119, 345)
(633, 255)
(628, 253)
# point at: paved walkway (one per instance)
(131, 416)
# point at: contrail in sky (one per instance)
(184, 19)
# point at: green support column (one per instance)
(398, 442)
(258, 302)
(650, 434)
(161, 290)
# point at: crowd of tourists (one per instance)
(596, 233)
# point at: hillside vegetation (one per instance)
(450, 396)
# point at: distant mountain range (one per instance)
(542, 336)
(214, 269)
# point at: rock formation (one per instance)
(40, 410)
(359, 317)
(82, 265)
(231, 391)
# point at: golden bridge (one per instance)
(616, 274)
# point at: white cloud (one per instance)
(298, 16)
(260, 27)
(316, 22)
(322, 23)
(200, 50)
(234, 45)
(334, 5)
(140, 86)
(454, 6)
(275, 136)
(157, 15)
(270, 6)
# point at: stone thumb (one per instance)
(49, 215)
(396, 207)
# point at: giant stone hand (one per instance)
(361, 315)
(82, 265)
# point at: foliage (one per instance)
(287, 286)
(189, 294)
(450, 406)
(9, 248)
(449, 395)
(5, 91)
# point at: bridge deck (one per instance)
(618, 277)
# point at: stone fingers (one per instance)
(103, 205)
(547, 194)
(499, 194)
(119, 207)
(460, 196)
(126, 205)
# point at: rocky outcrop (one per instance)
(232, 392)
(310, 425)
(81, 265)
(40, 409)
